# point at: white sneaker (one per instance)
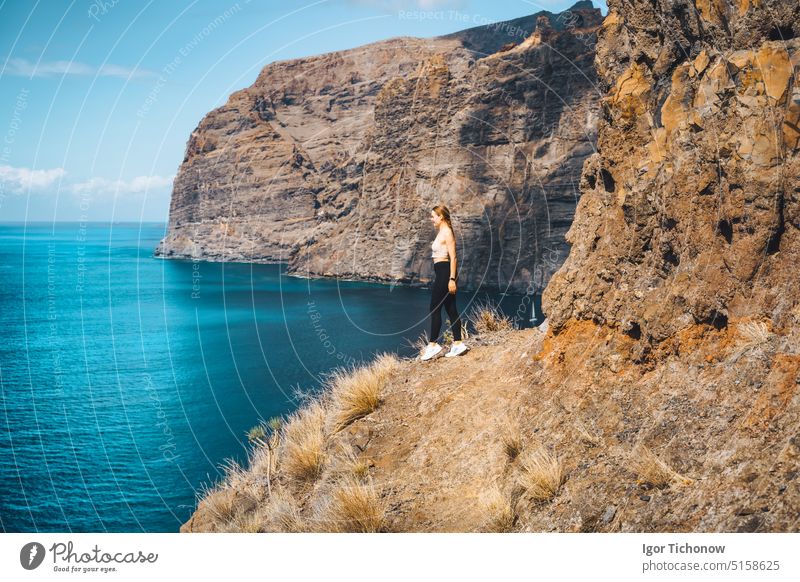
(430, 351)
(456, 350)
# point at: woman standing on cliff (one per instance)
(443, 292)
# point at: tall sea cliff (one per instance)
(333, 162)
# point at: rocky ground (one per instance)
(720, 408)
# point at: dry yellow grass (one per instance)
(348, 463)
(511, 437)
(234, 476)
(250, 522)
(487, 317)
(360, 468)
(298, 449)
(356, 393)
(650, 469)
(499, 511)
(754, 333)
(283, 513)
(302, 455)
(419, 344)
(541, 474)
(238, 488)
(221, 503)
(352, 506)
(754, 337)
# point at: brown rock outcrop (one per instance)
(691, 206)
(333, 162)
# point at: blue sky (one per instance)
(99, 96)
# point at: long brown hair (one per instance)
(444, 212)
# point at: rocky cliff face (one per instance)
(691, 206)
(333, 162)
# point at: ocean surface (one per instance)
(126, 381)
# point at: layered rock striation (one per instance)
(332, 163)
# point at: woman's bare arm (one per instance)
(451, 250)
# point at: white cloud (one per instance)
(23, 180)
(26, 68)
(18, 180)
(138, 185)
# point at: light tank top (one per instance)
(439, 247)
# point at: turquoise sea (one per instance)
(126, 381)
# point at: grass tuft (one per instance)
(498, 510)
(511, 437)
(541, 474)
(353, 506)
(357, 392)
(303, 453)
(283, 512)
(487, 317)
(653, 471)
(754, 337)
(221, 504)
(348, 463)
(250, 522)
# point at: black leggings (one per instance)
(440, 295)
